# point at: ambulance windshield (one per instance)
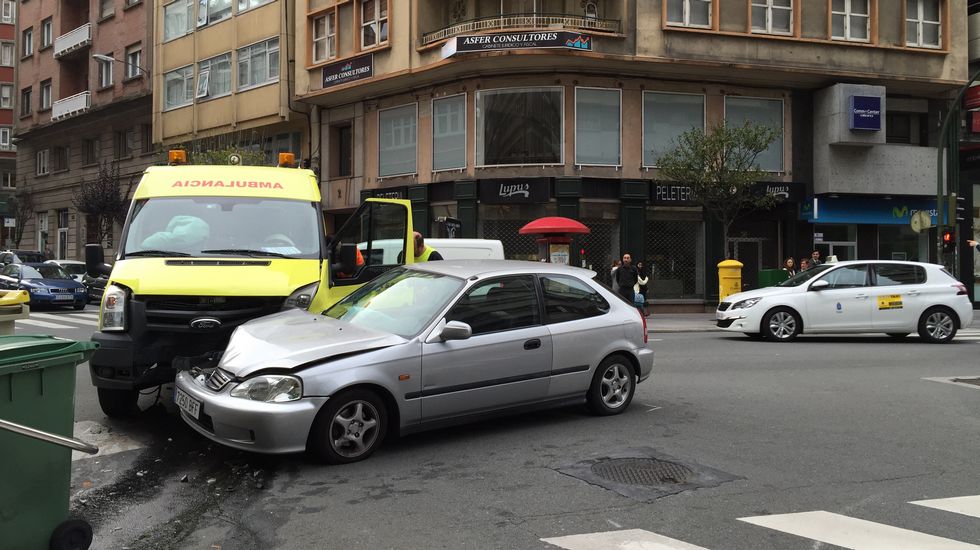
(224, 226)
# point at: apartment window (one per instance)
(106, 8)
(42, 164)
(177, 18)
(519, 126)
(258, 64)
(59, 159)
(25, 102)
(105, 72)
(134, 60)
(689, 13)
(922, 23)
(374, 22)
(132, 2)
(216, 11)
(90, 151)
(214, 76)
(9, 14)
(763, 112)
(5, 138)
(666, 116)
(45, 94)
(850, 20)
(772, 16)
(8, 181)
(146, 138)
(6, 96)
(449, 133)
(27, 42)
(249, 4)
(178, 88)
(7, 54)
(342, 150)
(325, 37)
(47, 33)
(398, 133)
(597, 126)
(123, 143)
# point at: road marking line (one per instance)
(42, 324)
(857, 534)
(968, 506)
(630, 539)
(950, 380)
(64, 319)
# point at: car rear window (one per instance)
(568, 299)
(898, 274)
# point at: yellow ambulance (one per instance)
(207, 248)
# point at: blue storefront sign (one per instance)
(866, 210)
(865, 113)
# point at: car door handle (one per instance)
(533, 343)
(913, 293)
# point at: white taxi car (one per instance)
(893, 297)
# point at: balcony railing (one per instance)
(71, 106)
(73, 40)
(523, 21)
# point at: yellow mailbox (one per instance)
(729, 278)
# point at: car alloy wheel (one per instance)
(937, 325)
(613, 386)
(781, 325)
(349, 427)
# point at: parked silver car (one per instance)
(421, 346)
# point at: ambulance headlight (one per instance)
(113, 318)
(302, 297)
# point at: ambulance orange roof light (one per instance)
(177, 156)
(287, 160)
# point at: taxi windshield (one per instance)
(224, 226)
(804, 276)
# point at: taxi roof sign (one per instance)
(238, 181)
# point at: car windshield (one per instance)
(44, 272)
(224, 226)
(401, 301)
(804, 276)
(74, 269)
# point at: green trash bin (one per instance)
(772, 277)
(37, 416)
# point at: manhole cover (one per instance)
(973, 381)
(642, 471)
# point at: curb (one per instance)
(675, 330)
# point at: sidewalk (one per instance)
(681, 322)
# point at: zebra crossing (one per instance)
(63, 321)
(968, 334)
(818, 526)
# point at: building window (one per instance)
(132, 2)
(134, 60)
(178, 88)
(46, 94)
(25, 102)
(449, 132)
(258, 64)
(7, 54)
(146, 138)
(325, 37)
(8, 181)
(762, 112)
(105, 72)
(922, 23)
(6, 96)
(519, 126)
(123, 143)
(666, 116)
(59, 159)
(249, 4)
(9, 15)
(216, 11)
(5, 143)
(90, 151)
(42, 166)
(850, 20)
(106, 8)
(689, 13)
(177, 18)
(772, 16)
(397, 138)
(27, 42)
(214, 76)
(342, 151)
(47, 33)
(374, 22)
(597, 126)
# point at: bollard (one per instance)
(729, 278)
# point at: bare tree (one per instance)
(22, 205)
(104, 199)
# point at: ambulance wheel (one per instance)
(118, 403)
(73, 534)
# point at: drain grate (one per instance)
(642, 471)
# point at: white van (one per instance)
(450, 249)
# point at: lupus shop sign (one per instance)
(348, 70)
(518, 41)
(513, 191)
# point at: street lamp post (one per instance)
(110, 59)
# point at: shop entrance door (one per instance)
(749, 252)
(843, 250)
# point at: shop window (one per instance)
(214, 76)
(519, 126)
(258, 64)
(899, 242)
(597, 126)
(772, 16)
(850, 20)
(178, 88)
(177, 19)
(449, 132)
(341, 150)
(397, 135)
(374, 22)
(763, 112)
(325, 37)
(923, 27)
(665, 117)
(689, 13)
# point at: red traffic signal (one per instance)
(949, 241)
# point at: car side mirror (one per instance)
(456, 330)
(95, 261)
(819, 285)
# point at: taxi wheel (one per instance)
(613, 386)
(781, 325)
(349, 428)
(937, 325)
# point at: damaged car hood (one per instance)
(295, 337)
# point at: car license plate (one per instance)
(187, 403)
(63, 297)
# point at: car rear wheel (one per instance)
(118, 403)
(350, 427)
(781, 325)
(937, 325)
(613, 386)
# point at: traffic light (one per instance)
(960, 203)
(949, 240)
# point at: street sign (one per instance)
(10, 222)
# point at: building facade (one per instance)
(497, 112)
(82, 103)
(8, 151)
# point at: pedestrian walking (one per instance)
(640, 288)
(789, 266)
(626, 276)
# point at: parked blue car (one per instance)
(48, 284)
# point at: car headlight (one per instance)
(38, 290)
(270, 388)
(745, 304)
(302, 297)
(113, 318)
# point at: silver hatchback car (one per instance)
(421, 346)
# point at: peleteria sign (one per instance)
(518, 41)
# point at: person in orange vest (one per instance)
(423, 252)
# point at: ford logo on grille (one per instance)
(205, 323)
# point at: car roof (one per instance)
(896, 262)
(65, 262)
(483, 268)
(36, 265)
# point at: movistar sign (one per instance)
(866, 210)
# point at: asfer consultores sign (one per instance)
(348, 70)
(518, 41)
